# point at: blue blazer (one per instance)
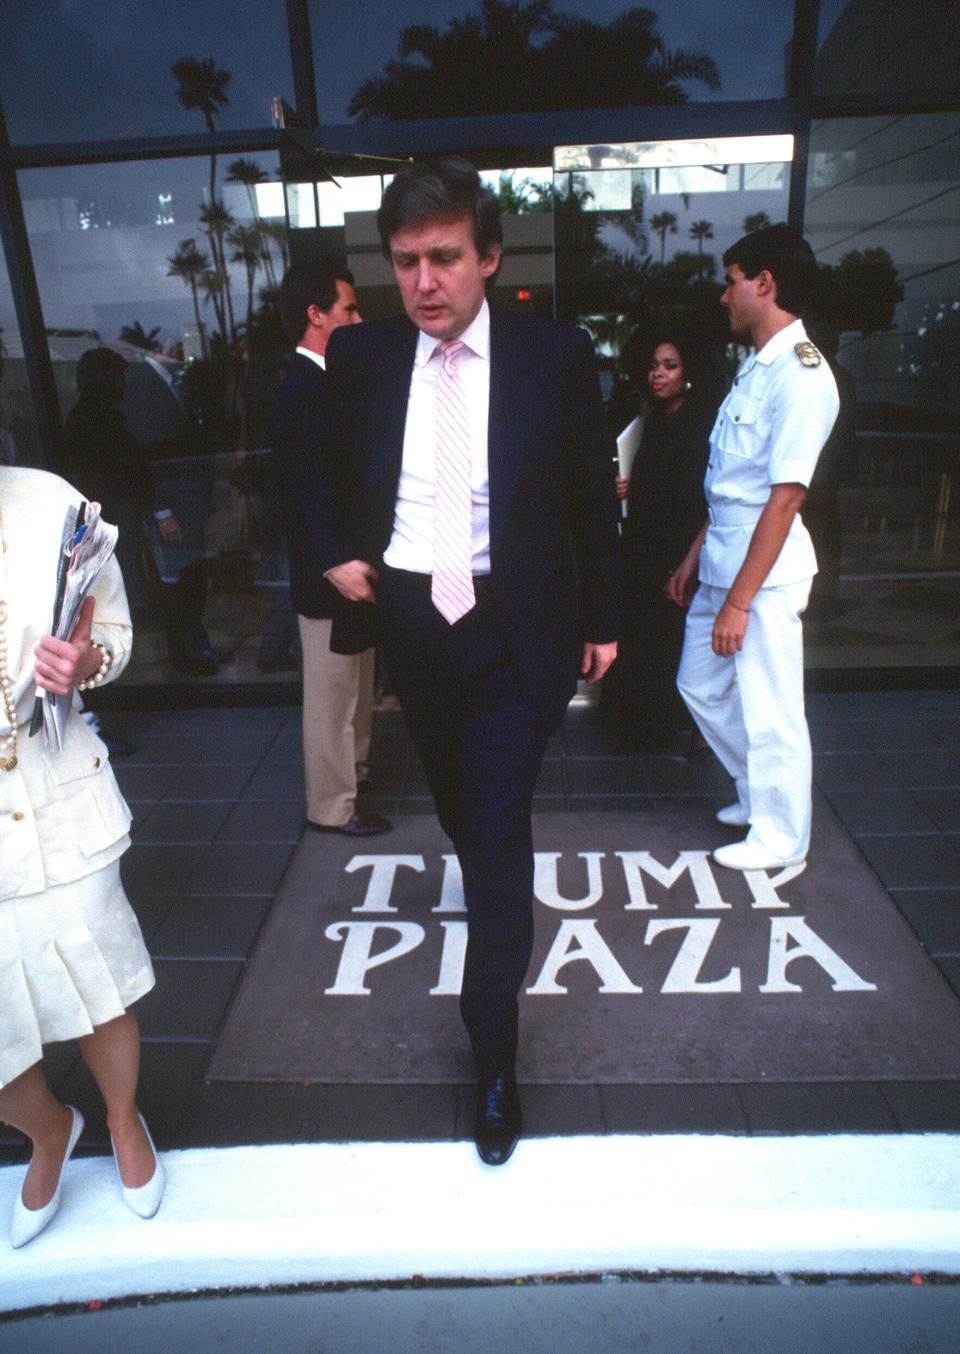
(554, 546)
(305, 485)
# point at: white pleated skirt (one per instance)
(71, 958)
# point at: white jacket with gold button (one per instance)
(62, 815)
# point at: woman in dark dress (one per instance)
(665, 508)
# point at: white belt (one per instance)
(743, 515)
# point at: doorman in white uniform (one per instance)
(741, 673)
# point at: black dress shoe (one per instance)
(498, 1123)
(357, 825)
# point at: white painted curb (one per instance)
(323, 1213)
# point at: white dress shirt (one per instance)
(411, 544)
(769, 430)
(314, 357)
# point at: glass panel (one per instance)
(881, 213)
(102, 69)
(19, 440)
(873, 47)
(638, 249)
(737, 53)
(348, 228)
(133, 268)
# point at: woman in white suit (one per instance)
(72, 959)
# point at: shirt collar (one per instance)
(781, 341)
(476, 337)
(314, 357)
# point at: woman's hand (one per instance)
(62, 664)
(623, 487)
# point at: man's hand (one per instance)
(729, 629)
(353, 580)
(596, 659)
(623, 486)
(61, 664)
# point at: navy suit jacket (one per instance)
(305, 484)
(554, 547)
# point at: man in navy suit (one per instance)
(315, 299)
(485, 665)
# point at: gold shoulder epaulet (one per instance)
(807, 354)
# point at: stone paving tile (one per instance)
(854, 771)
(240, 867)
(912, 862)
(682, 776)
(400, 1113)
(283, 780)
(200, 749)
(232, 1114)
(924, 1106)
(150, 869)
(144, 782)
(828, 734)
(949, 966)
(263, 820)
(925, 769)
(935, 916)
(210, 928)
(549, 1110)
(891, 811)
(941, 806)
(816, 1107)
(209, 782)
(189, 1000)
(178, 822)
(945, 729)
(151, 912)
(603, 776)
(901, 732)
(672, 1109)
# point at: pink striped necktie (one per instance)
(452, 589)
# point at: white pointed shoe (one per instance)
(27, 1223)
(734, 815)
(748, 856)
(144, 1200)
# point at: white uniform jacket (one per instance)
(62, 815)
(769, 430)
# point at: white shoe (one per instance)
(144, 1200)
(27, 1223)
(748, 856)
(734, 815)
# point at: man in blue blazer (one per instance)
(478, 531)
(317, 297)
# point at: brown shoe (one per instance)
(357, 825)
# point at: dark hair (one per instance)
(98, 368)
(786, 256)
(447, 189)
(313, 282)
(702, 364)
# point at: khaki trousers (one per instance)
(337, 720)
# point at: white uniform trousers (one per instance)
(337, 721)
(750, 710)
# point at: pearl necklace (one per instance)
(8, 745)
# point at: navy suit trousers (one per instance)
(482, 743)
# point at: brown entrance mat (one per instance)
(650, 964)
